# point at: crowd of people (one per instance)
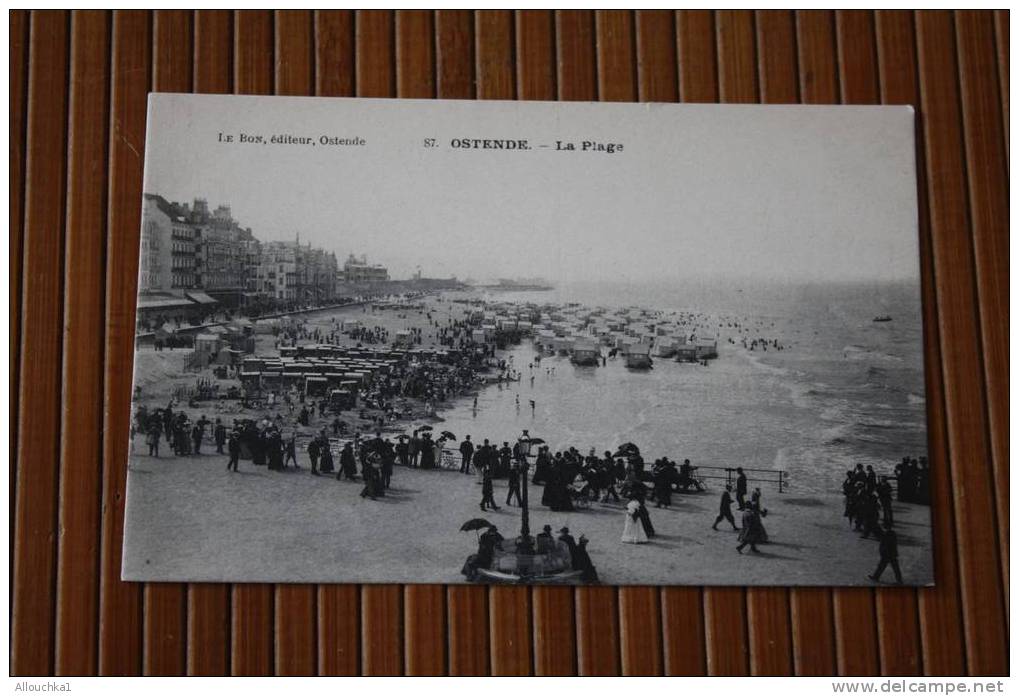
(913, 481)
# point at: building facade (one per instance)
(358, 270)
(190, 251)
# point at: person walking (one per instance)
(466, 452)
(313, 452)
(348, 464)
(752, 532)
(725, 510)
(234, 448)
(889, 550)
(291, 448)
(633, 529)
(219, 435)
(487, 492)
(514, 485)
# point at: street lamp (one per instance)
(524, 544)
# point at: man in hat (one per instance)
(543, 540)
(741, 488)
(567, 540)
(487, 492)
(234, 448)
(466, 452)
(219, 434)
(889, 550)
(514, 484)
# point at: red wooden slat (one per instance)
(657, 66)
(208, 618)
(18, 46)
(697, 56)
(34, 576)
(84, 289)
(617, 74)
(979, 567)
(334, 53)
(120, 603)
(987, 174)
(535, 35)
(454, 54)
(577, 72)
(1001, 43)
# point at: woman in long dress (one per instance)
(633, 530)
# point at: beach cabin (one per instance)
(638, 356)
(706, 349)
(208, 343)
(666, 348)
(402, 338)
(686, 352)
(585, 352)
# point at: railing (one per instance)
(728, 474)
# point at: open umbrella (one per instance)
(423, 427)
(534, 440)
(448, 435)
(475, 524)
(627, 449)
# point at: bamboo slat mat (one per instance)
(77, 124)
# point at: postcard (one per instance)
(426, 341)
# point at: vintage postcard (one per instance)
(431, 341)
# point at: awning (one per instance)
(201, 298)
(162, 302)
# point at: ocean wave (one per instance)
(861, 353)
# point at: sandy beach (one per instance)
(189, 519)
(192, 520)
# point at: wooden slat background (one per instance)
(77, 128)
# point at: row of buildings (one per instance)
(191, 255)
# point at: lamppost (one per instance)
(525, 544)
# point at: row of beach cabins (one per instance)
(329, 371)
(581, 333)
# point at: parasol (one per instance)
(534, 440)
(627, 449)
(423, 427)
(475, 524)
(448, 435)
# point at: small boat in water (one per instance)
(883, 317)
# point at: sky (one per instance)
(790, 193)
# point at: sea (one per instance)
(844, 389)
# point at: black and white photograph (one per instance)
(403, 341)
